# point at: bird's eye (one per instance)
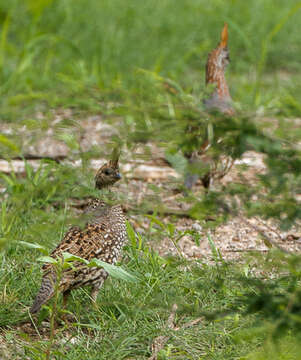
(107, 171)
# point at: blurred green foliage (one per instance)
(53, 50)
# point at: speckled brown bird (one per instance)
(103, 238)
(220, 100)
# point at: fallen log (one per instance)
(135, 169)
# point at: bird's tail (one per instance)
(45, 293)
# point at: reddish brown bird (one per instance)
(218, 59)
(103, 238)
(220, 100)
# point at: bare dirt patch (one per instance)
(150, 180)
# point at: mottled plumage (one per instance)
(103, 238)
(218, 59)
(220, 100)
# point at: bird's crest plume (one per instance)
(224, 37)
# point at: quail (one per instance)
(102, 238)
(220, 100)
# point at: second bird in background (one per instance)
(220, 100)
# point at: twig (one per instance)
(160, 341)
(34, 325)
(136, 210)
(56, 158)
(164, 211)
(269, 228)
(177, 247)
(133, 169)
(245, 250)
(189, 324)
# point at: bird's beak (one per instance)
(224, 37)
(118, 176)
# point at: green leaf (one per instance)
(171, 229)
(114, 271)
(178, 162)
(47, 259)
(131, 234)
(91, 326)
(69, 140)
(34, 246)
(212, 247)
(196, 237)
(70, 257)
(8, 179)
(3, 241)
(6, 142)
(156, 221)
(28, 170)
(140, 241)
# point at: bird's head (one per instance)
(218, 59)
(109, 173)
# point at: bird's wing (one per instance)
(95, 240)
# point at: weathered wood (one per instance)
(133, 169)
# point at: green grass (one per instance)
(111, 58)
(129, 316)
(66, 53)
